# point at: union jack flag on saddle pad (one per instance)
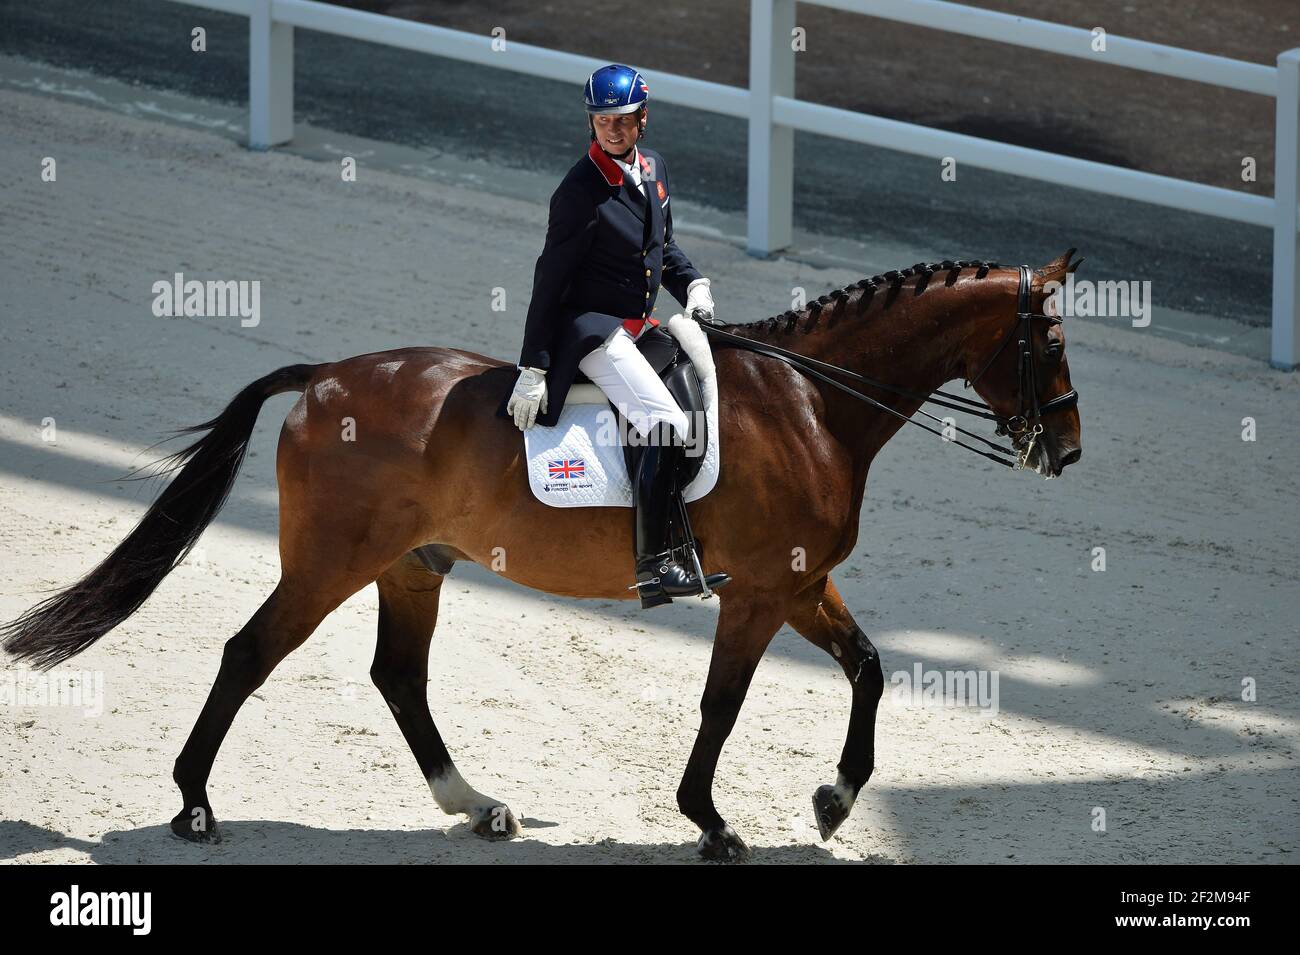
(567, 468)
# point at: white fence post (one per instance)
(1286, 193)
(270, 78)
(771, 148)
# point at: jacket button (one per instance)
(647, 294)
(647, 273)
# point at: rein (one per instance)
(1030, 413)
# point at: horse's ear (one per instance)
(1075, 265)
(1060, 265)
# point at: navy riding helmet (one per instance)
(616, 89)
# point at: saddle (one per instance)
(676, 370)
(578, 463)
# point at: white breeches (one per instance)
(626, 378)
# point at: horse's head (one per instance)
(1017, 364)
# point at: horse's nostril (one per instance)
(1070, 457)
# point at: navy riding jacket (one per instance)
(607, 251)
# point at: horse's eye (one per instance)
(1054, 350)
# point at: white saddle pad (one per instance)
(579, 462)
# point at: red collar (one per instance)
(610, 169)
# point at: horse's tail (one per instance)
(63, 625)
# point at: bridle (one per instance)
(1029, 418)
(1026, 421)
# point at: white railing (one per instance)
(774, 114)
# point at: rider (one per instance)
(609, 244)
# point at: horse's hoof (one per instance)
(197, 824)
(495, 822)
(722, 845)
(829, 810)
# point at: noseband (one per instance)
(1027, 420)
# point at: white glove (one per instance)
(528, 397)
(699, 298)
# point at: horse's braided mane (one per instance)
(833, 305)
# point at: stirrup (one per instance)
(706, 593)
(685, 581)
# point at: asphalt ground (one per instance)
(854, 205)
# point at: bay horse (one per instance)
(432, 477)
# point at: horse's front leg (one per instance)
(819, 615)
(747, 622)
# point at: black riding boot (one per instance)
(659, 576)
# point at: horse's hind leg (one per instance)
(283, 622)
(408, 613)
(822, 619)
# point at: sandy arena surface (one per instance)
(1118, 689)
